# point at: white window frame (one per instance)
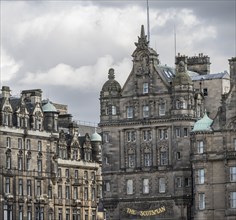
(162, 185)
(113, 110)
(145, 111)
(233, 174)
(145, 88)
(129, 187)
(200, 146)
(162, 109)
(130, 112)
(201, 201)
(233, 200)
(201, 176)
(147, 159)
(145, 186)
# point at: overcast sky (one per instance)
(66, 48)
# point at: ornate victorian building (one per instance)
(47, 171)
(150, 139)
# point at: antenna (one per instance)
(148, 27)
(175, 39)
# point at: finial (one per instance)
(142, 35)
(111, 74)
(142, 40)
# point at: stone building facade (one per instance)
(47, 171)
(149, 165)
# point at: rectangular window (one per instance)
(145, 186)
(7, 185)
(147, 159)
(75, 195)
(200, 147)
(145, 88)
(8, 142)
(20, 214)
(235, 144)
(8, 162)
(38, 188)
(39, 164)
(59, 192)
(85, 175)
(162, 109)
(129, 187)
(76, 174)
(233, 200)
(201, 176)
(67, 173)
(130, 112)
(179, 182)
(163, 134)
(7, 212)
(76, 214)
(147, 135)
(108, 186)
(59, 172)
(39, 146)
(164, 158)
(60, 214)
(113, 110)
(106, 137)
(178, 155)
(67, 214)
(86, 216)
(145, 111)
(67, 192)
(94, 215)
(162, 185)
(186, 182)
(19, 143)
(86, 193)
(20, 163)
(185, 132)
(205, 92)
(201, 198)
(20, 187)
(93, 194)
(131, 160)
(131, 136)
(27, 164)
(29, 191)
(49, 192)
(232, 174)
(28, 144)
(29, 213)
(177, 132)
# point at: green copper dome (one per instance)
(96, 137)
(49, 107)
(204, 124)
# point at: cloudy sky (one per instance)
(67, 47)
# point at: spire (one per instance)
(142, 40)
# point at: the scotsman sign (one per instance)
(143, 213)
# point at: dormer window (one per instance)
(145, 88)
(113, 110)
